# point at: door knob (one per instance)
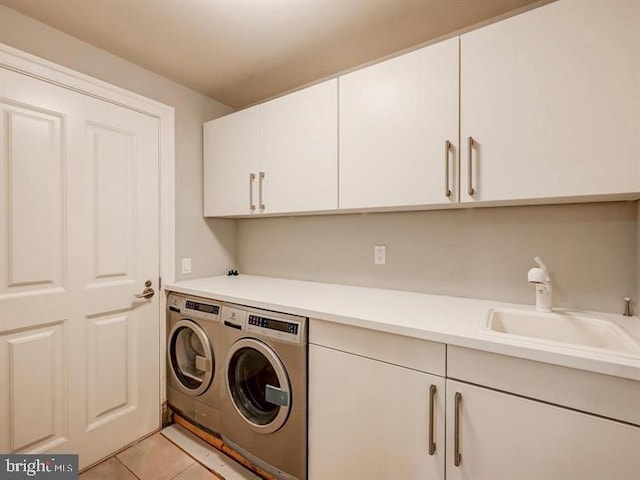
(148, 292)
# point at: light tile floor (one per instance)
(213, 459)
(157, 458)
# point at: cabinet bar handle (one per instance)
(447, 149)
(472, 142)
(252, 206)
(261, 178)
(457, 456)
(432, 397)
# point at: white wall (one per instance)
(590, 249)
(210, 243)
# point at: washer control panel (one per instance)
(290, 328)
(272, 324)
(282, 328)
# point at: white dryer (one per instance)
(193, 359)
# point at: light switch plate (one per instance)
(186, 266)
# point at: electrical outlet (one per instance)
(186, 266)
(380, 255)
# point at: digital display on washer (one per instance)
(202, 307)
(272, 324)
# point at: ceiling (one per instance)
(244, 51)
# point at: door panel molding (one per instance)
(111, 372)
(109, 152)
(40, 352)
(35, 160)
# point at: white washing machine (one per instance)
(194, 360)
(264, 398)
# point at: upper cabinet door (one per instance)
(298, 144)
(395, 120)
(231, 164)
(551, 99)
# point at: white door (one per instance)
(372, 420)
(298, 150)
(79, 354)
(551, 99)
(504, 437)
(396, 118)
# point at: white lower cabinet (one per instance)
(502, 436)
(372, 420)
(378, 400)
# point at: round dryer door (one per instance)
(258, 385)
(190, 357)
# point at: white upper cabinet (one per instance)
(551, 99)
(543, 107)
(298, 150)
(277, 157)
(395, 119)
(230, 163)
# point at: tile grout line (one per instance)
(216, 474)
(125, 465)
(194, 459)
(118, 452)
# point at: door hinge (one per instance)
(159, 283)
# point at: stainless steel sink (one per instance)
(569, 328)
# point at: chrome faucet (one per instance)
(539, 276)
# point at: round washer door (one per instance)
(190, 357)
(258, 385)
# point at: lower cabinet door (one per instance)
(372, 420)
(500, 436)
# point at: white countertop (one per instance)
(438, 318)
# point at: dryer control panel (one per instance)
(195, 307)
